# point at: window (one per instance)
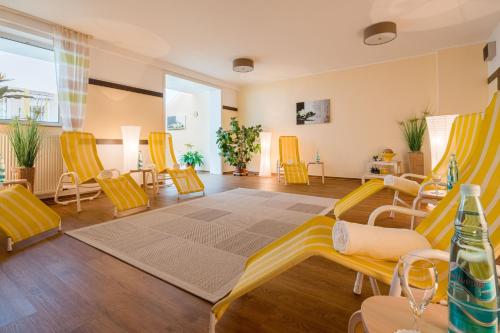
(31, 70)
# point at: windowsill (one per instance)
(42, 124)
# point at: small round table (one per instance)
(387, 314)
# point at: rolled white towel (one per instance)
(376, 242)
(402, 184)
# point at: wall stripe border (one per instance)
(117, 141)
(112, 85)
(230, 108)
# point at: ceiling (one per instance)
(286, 38)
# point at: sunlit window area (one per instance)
(30, 73)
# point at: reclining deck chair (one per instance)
(314, 238)
(161, 150)
(23, 215)
(463, 136)
(295, 170)
(79, 152)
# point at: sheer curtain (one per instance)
(71, 50)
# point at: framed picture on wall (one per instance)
(313, 112)
(176, 122)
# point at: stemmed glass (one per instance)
(436, 178)
(418, 278)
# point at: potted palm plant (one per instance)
(192, 158)
(238, 144)
(413, 132)
(25, 138)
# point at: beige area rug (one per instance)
(201, 245)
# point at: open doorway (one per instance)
(192, 116)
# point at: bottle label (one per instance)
(471, 302)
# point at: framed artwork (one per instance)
(176, 122)
(313, 112)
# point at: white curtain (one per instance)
(72, 69)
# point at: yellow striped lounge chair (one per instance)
(23, 215)
(294, 169)
(79, 152)
(463, 136)
(162, 154)
(314, 238)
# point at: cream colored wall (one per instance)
(109, 109)
(462, 80)
(366, 105)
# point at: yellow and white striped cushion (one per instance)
(186, 180)
(296, 173)
(359, 194)
(23, 215)
(79, 152)
(124, 192)
(289, 150)
(161, 150)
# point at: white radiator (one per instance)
(49, 163)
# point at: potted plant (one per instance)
(25, 138)
(192, 158)
(238, 144)
(413, 132)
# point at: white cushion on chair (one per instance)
(376, 242)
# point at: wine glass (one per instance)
(418, 278)
(436, 178)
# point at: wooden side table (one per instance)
(322, 169)
(23, 182)
(145, 173)
(386, 314)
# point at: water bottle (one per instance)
(472, 286)
(140, 161)
(2, 169)
(318, 159)
(452, 178)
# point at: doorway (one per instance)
(192, 116)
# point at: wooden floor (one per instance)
(62, 285)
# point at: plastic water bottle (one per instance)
(473, 286)
(318, 159)
(140, 161)
(2, 169)
(452, 178)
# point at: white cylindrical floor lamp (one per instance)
(439, 128)
(130, 135)
(265, 154)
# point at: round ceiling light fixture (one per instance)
(242, 65)
(380, 33)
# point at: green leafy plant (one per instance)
(25, 138)
(414, 131)
(192, 158)
(238, 144)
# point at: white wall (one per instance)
(495, 63)
(195, 107)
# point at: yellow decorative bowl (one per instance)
(387, 157)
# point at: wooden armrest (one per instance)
(397, 209)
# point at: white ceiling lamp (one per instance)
(380, 33)
(242, 65)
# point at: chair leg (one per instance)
(394, 203)
(358, 285)
(374, 284)
(9, 244)
(78, 201)
(355, 323)
(213, 322)
(416, 204)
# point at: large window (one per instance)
(31, 70)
